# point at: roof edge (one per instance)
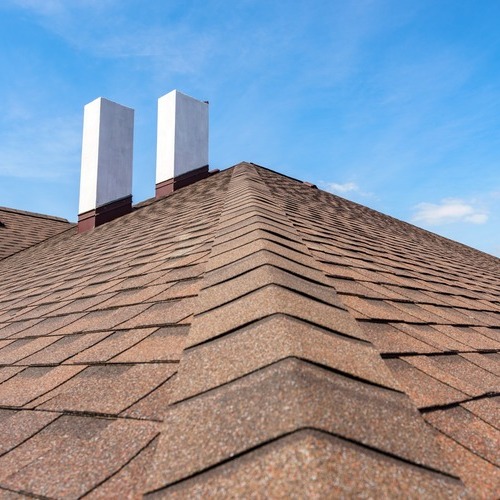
(35, 214)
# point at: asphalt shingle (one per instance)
(246, 334)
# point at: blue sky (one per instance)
(394, 104)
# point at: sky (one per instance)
(394, 104)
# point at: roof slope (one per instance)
(20, 229)
(249, 333)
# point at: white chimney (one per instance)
(106, 173)
(182, 144)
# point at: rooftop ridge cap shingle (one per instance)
(264, 339)
(301, 430)
(244, 179)
(36, 215)
(153, 200)
(300, 181)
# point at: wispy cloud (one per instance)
(350, 189)
(100, 28)
(336, 187)
(447, 211)
(58, 8)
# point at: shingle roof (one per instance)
(20, 229)
(250, 334)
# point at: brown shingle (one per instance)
(33, 382)
(436, 367)
(468, 430)
(282, 398)
(181, 289)
(270, 340)
(468, 336)
(89, 291)
(135, 296)
(463, 369)
(452, 315)
(93, 449)
(154, 405)
(488, 409)
(432, 336)
(112, 345)
(129, 482)
(492, 333)
(390, 339)
(233, 289)
(265, 302)
(8, 330)
(162, 313)
(49, 326)
(487, 361)
(422, 388)
(17, 426)
(379, 309)
(108, 389)
(63, 348)
(312, 464)
(103, 320)
(18, 349)
(34, 311)
(362, 289)
(20, 229)
(165, 344)
(251, 270)
(257, 246)
(481, 477)
(257, 259)
(7, 372)
(80, 305)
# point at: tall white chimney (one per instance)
(106, 172)
(182, 143)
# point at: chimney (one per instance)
(182, 147)
(106, 173)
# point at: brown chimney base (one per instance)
(169, 186)
(105, 213)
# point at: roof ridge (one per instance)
(246, 266)
(223, 307)
(35, 214)
(218, 476)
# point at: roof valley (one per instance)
(277, 351)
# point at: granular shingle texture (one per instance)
(250, 335)
(20, 229)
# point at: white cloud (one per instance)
(349, 189)
(447, 211)
(335, 187)
(478, 218)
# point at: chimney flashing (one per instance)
(169, 186)
(105, 213)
